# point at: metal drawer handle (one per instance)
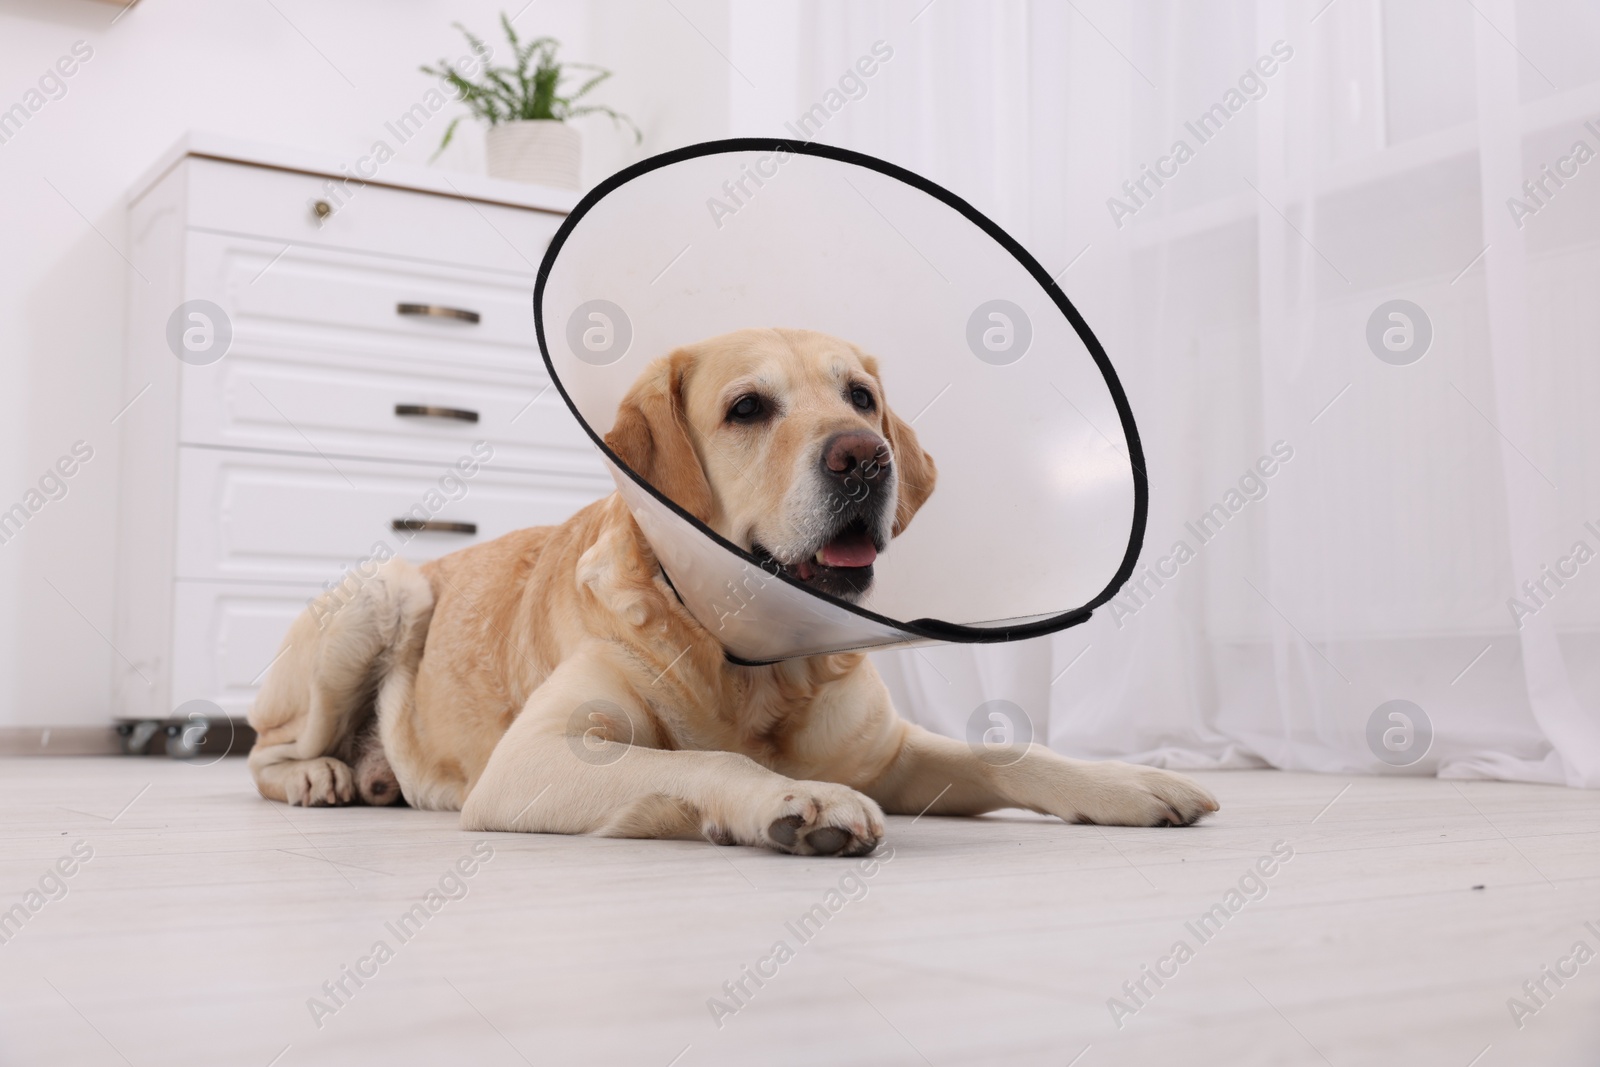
(434, 412)
(433, 526)
(436, 311)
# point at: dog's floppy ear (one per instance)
(651, 435)
(917, 472)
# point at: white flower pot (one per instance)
(538, 151)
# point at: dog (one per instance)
(550, 681)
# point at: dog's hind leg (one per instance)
(319, 695)
(380, 765)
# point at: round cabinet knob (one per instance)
(321, 209)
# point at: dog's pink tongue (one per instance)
(851, 549)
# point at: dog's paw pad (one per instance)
(827, 820)
(827, 840)
(785, 830)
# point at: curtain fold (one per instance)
(1411, 503)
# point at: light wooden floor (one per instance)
(207, 918)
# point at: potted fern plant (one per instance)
(527, 107)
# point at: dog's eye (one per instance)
(862, 398)
(747, 408)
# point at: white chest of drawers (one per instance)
(380, 372)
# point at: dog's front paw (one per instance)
(820, 819)
(1123, 794)
(319, 783)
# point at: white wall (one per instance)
(294, 72)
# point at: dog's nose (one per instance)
(857, 452)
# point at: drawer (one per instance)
(266, 517)
(342, 406)
(225, 634)
(238, 198)
(321, 300)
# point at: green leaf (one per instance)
(531, 88)
(449, 132)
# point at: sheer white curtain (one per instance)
(1370, 157)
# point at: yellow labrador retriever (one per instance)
(550, 681)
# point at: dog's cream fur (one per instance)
(550, 681)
